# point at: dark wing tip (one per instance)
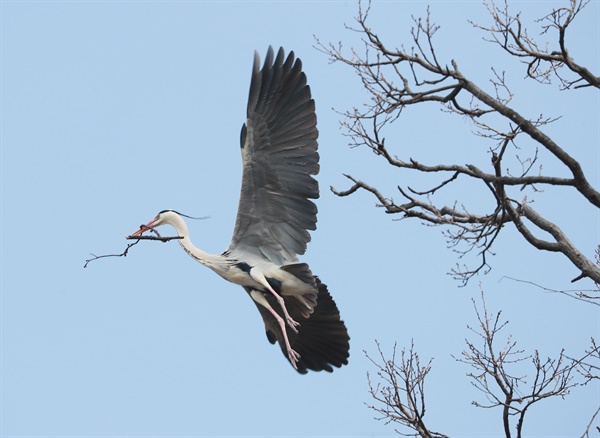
(322, 340)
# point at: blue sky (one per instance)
(113, 111)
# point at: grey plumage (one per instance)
(279, 150)
(275, 215)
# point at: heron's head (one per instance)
(165, 217)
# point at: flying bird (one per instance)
(275, 212)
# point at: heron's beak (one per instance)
(144, 228)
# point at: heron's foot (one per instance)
(288, 319)
(293, 357)
(292, 323)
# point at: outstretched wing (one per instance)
(279, 152)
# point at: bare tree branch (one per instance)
(502, 388)
(400, 392)
(589, 296)
(508, 31)
(509, 379)
(586, 432)
(398, 78)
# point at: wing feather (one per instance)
(279, 151)
(322, 339)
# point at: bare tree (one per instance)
(397, 79)
(399, 394)
(498, 370)
(514, 144)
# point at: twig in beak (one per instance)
(137, 239)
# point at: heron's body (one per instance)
(279, 153)
(240, 269)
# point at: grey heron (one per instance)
(275, 212)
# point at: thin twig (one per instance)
(577, 294)
(137, 239)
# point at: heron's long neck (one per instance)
(213, 261)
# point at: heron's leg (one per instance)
(259, 276)
(293, 356)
